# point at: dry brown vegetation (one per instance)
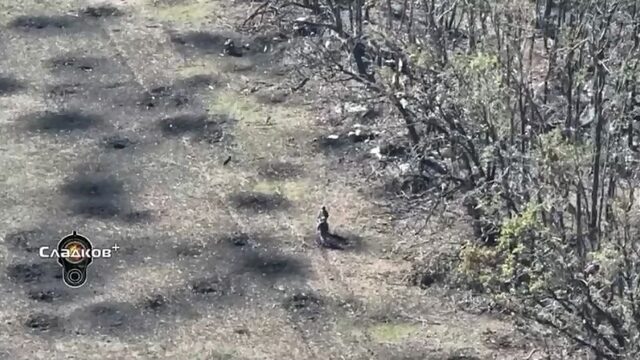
(477, 156)
(519, 117)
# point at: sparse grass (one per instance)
(392, 332)
(184, 11)
(294, 190)
(263, 131)
(198, 68)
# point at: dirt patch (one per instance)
(46, 24)
(137, 216)
(103, 11)
(304, 304)
(108, 317)
(9, 85)
(159, 3)
(199, 127)
(63, 90)
(259, 202)
(198, 82)
(210, 286)
(75, 63)
(272, 97)
(26, 273)
(57, 122)
(188, 250)
(48, 295)
(42, 322)
(271, 265)
(26, 240)
(177, 95)
(280, 170)
(240, 240)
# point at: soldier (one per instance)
(323, 213)
(323, 237)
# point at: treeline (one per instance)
(526, 111)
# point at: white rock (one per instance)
(376, 152)
(355, 108)
(333, 137)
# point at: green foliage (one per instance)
(498, 268)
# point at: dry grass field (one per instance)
(117, 122)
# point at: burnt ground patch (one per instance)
(41, 322)
(9, 85)
(60, 122)
(271, 265)
(258, 202)
(86, 186)
(199, 126)
(43, 24)
(30, 273)
(96, 195)
(27, 240)
(110, 318)
(279, 170)
(102, 11)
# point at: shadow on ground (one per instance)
(60, 122)
(101, 196)
(229, 270)
(10, 85)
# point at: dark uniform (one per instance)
(324, 238)
(323, 213)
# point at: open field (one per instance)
(117, 123)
